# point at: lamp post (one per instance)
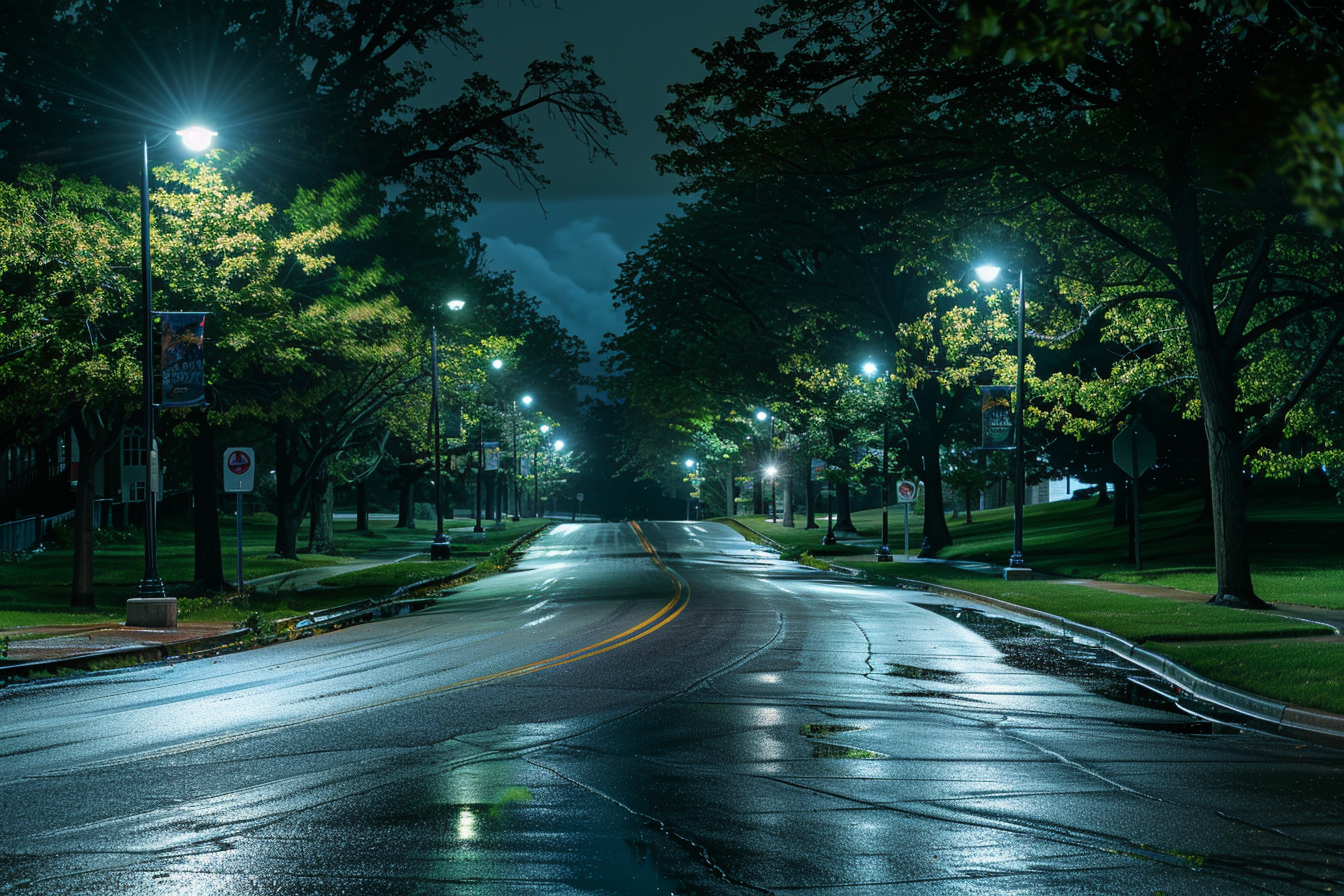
(763, 416)
(439, 549)
(517, 462)
(691, 464)
(884, 549)
(151, 587)
(558, 447)
(536, 473)
(1017, 568)
(773, 473)
(496, 364)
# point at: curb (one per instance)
(395, 604)
(1299, 721)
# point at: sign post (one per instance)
(906, 491)
(579, 508)
(240, 469)
(1134, 451)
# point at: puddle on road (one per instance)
(1091, 667)
(919, 673)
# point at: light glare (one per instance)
(197, 138)
(987, 273)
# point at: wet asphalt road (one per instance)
(593, 722)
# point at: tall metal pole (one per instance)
(480, 470)
(1017, 560)
(884, 550)
(440, 549)
(774, 478)
(513, 473)
(151, 586)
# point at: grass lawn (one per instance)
(1294, 536)
(1132, 617)
(35, 588)
(1306, 673)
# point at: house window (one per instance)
(136, 492)
(133, 449)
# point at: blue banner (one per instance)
(181, 359)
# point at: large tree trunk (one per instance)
(1216, 369)
(291, 499)
(811, 500)
(361, 506)
(844, 515)
(406, 504)
(928, 445)
(94, 434)
(757, 496)
(729, 508)
(322, 527)
(787, 521)
(205, 467)
(1231, 551)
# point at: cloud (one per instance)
(572, 274)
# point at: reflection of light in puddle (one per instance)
(766, 716)
(768, 678)
(466, 824)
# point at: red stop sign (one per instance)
(239, 463)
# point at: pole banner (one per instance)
(996, 416)
(818, 469)
(491, 456)
(181, 359)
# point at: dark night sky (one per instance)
(567, 253)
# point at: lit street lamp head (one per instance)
(869, 369)
(560, 445)
(497, 364)
(197, 139)
(762, 416)
(527, 401)
(456, 304)
(987, 273)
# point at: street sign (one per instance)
(580, 497)
(906, 492)
(240, 468)
(1134, 450)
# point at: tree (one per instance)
(70, 330)
(316, 89)
(1135, 169)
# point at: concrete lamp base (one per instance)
(440, 550)
(151, 612)
(1015, 573)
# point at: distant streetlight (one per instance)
(517, 462)
(439, 549)
(884, 549)
(536, 472)
(1016, 563)
(762, 416)
(497, 364)
(693, 466)
(151, 586)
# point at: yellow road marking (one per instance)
(679, 600)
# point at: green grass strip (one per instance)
(1133, 617)
(1306, 673)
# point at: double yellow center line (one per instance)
(669, 611)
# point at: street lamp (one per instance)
(439, 549)
(763, 416)
(151, 586)
(517, 461)
(773, 473)
(496, 364)
(692, 465)
(536, 472)
(1017, 568)
(884, 549)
